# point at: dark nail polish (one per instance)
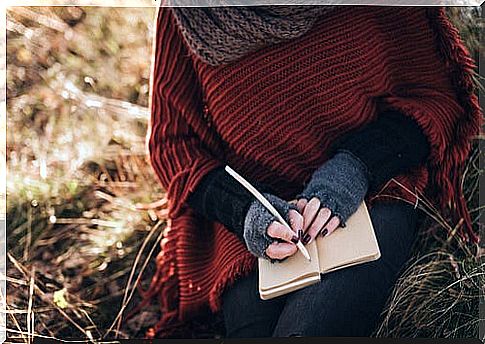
(324, 232)
(300, 233)
(306, 238)
(295, 239)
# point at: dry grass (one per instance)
(438, 292)
(86, 215)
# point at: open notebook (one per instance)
(354, 244)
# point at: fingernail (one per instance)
(324, 232)
(295, 239)
(306, 238)
(300, 233)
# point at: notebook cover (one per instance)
(292, 286)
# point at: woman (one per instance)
(327, 106)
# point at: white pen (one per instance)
(267, 205)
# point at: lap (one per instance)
(245, 314)
(346, 302)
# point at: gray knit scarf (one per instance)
(221, 35)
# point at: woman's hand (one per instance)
(317, 220)
(334, 192)
(266, 237)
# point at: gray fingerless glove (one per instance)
(340, 184)
(257, 221)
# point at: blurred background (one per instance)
(85, 214)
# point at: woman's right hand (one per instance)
(267, 238)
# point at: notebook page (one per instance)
(356, 243)
(272, 275)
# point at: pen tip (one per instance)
(304, 250)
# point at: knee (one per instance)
(395, 225)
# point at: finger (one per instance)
(321, 219)
(296, 222)
(293, 201)
(278, 231)
(332, 224)
(309, 213)
(301, 204)
(281, 250)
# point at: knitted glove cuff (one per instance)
(340, 184)
(257, 221)
(219, 197)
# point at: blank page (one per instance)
(356, 243)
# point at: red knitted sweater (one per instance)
(274, 114)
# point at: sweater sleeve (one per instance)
(219, 197)
(388, 146)
(180, 152)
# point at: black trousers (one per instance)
(346, 302)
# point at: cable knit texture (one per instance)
(340, 184)
(274, 116)
(221, 35)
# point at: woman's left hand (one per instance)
(317, 220)
(335, 191)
